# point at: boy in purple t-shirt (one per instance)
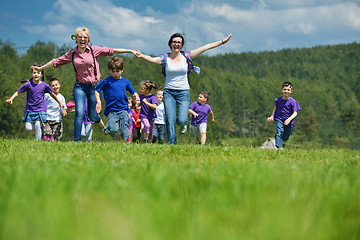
(199, 111)
(284, 112)
(36, 107)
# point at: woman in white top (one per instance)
(176, 66)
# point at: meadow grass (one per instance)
(103, 190)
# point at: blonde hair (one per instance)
(79, 30)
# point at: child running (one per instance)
(36, 107)
(131, 115)
(284, 112)
(137, 125)
(114, 89)
(148, 109)
(53, 127)
(159, 127)
(199, 111)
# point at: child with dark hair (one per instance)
(35, 112)
(284, 112)
(114, 89)
(53, 127)
(148, 109)
(199, 111)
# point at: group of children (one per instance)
(46, 105)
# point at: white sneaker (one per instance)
(183, 129)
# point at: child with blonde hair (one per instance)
(35, 112)
(148, 109)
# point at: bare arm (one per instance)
(192, 112)
(151, 105)
(212, 116)
(10, 100)
(287, 121)
(155, 60)
(43, 67)
(271, 118)
(98, 101)
(137, 98)
(200, 50)
(123, 50)
(53, 95)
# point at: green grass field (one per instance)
(114, 191)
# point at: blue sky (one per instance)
(256, 25)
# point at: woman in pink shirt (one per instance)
(87, 73)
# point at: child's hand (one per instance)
(145, 101)
(62, 105)
(195, 115)
(98, 107)
(287, 121)
(271, 118)
(63, 112)
(137, 53)
(213, 120)
(9, 101)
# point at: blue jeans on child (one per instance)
(176, 104)
(282, 133)
(118, 121)
(159, 133)
(83, 91)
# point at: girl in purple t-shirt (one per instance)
(199, 111)
(148, 109)
(36, 107)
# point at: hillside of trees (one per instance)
(243, 88)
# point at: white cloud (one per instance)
(264, 24)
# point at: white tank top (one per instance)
(176, 75)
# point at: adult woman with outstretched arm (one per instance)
(176, 67)
(87, 73)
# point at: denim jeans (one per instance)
(159, 133)
(282, 133)
(83, 91)
(118, 121)
(176, 104)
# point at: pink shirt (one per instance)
(84, 62)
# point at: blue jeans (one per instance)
(159, 133)
(175, 100)
(118, 121)
(282, 133)
(83, 91)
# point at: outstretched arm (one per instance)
(43, 67)
(123, 50)
(10, 100)
(200, 50)
(53, 95)
(155, 60)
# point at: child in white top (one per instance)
(159, 127)
(53, 127)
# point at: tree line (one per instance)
(243, 88)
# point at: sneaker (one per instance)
(105, 131)
(183, 129)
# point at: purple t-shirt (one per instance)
(146, 111)
(35, 101)
(131, 114)
(285, 108)
(202, 110)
